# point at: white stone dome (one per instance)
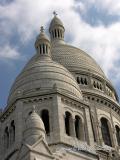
(43, 76)
(34, 121)
(55, 21)
(34, 128)
(74, 59)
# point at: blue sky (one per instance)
(91, 25)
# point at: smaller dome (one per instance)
(34, 121)
(56, 30)
(56, 22)
(42, 37)
(34, 128)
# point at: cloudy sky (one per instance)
(92, 25)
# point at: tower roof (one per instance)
(55, 22)
(34, 121)
(42, 36)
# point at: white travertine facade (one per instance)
(61, 106)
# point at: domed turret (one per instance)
(42, 44)
(56, 29)
(34, 128)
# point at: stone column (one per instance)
(72, 127)
(113, 132)
(100, 134)
(89, 133)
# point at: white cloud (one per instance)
(111, 7)
(8, 52)
(103, 43)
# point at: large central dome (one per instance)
(74, 59)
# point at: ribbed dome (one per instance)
(74, 59)
(44, 76)
(55, 21)
(34, 128)
(34, 121)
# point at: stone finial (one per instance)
(55, 14)
(33, 109)
(42, 29)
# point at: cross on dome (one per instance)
(55, 14)
(42, 29)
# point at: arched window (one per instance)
(85, 81)
(98, 85)
(94, 84)
(45, 118)
(118, 134)
(12, 133)
(77, 126)
(40, 49)
(78, 80)
(79, 131)
(6, 138)
(67, 123)
(105, 132)
(82, 82)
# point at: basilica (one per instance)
(61, 106)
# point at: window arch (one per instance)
(6, 138)
(105, 132)
(12, 133)
(79, 128)
(118, 134)
(45, 118)
(67, 123)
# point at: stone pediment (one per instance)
(38, 149)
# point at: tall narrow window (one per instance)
(78, 80)
(6, 138)
(12, 133)
(43, 49)
(40, 49)
(55, 33)
(82, 81)
(105, 132)
(85, 81)
(67, 122)
(45, 118)
(77, 127)
(58, 33)
(118, 134)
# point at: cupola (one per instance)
(56, 29)
(42, 44)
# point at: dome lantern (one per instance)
(56, 29)
(42, 44)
